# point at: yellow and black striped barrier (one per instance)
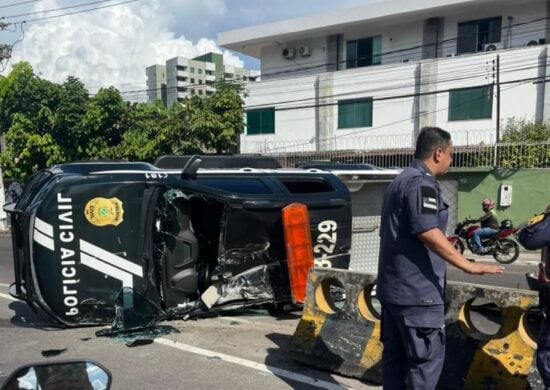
(491, 332)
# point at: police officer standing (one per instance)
(536, 235)
(412, 267)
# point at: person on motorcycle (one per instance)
(489, 225)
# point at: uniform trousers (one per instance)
(414, 346)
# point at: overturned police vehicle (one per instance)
(183, 240)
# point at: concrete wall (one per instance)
(529, 192)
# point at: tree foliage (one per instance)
(45, 123)
(528, 144)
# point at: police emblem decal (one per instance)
(103, 211)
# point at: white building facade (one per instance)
(373, 76)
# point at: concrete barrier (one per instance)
(490, 342)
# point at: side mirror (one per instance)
(76, 374)
(13, 192)
(191, 167)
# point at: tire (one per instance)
(507, 253)
(275, 309)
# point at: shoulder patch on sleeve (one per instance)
(428, 200)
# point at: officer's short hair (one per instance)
(429, 139)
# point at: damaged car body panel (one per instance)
(82, 232)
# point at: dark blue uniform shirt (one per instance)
(408, 272)
(537, 236)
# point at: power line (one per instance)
(19, 3)
(361, 75)
(408, 119)
(57, 9)
(76, 12)
(317, 64)
(469, 75)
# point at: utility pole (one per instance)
(498, 98)
(496, 83)
(5, 55)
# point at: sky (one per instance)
(113, 45)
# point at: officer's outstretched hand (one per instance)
(482, 269)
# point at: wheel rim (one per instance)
(507, 252)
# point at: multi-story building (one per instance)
(186, 77)
(156, 83)
(351, 78)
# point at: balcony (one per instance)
(210, 78)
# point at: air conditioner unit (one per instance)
(304, 51)
(493, 46)
(289, 53)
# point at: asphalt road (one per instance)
(244, 351)
(233, 351)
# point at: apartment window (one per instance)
(364, 52)
(192, 81)
(200, 81)
(474, 35)
(354, 113)
(182, 68)
(192, 70)
(199, 70)
(260, 121)
(200, 92)
(471, 103)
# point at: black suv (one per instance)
(83, 232)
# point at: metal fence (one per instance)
(502, 155)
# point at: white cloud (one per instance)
(107, 47)
(113, 46)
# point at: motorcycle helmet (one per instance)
(488, 204)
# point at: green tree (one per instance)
(217, 120)
(104, 123)
(529, 144)
(28, 151)
(46, 123)
(22, 92)
(67, 121)
(154, 131)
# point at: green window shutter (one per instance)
(377, 50)
(260, 121)
(351, 54)
(354, 113)
(471, 103)
(253, 119)
(268, 121)
(345, 115)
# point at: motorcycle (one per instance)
(503, 249)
